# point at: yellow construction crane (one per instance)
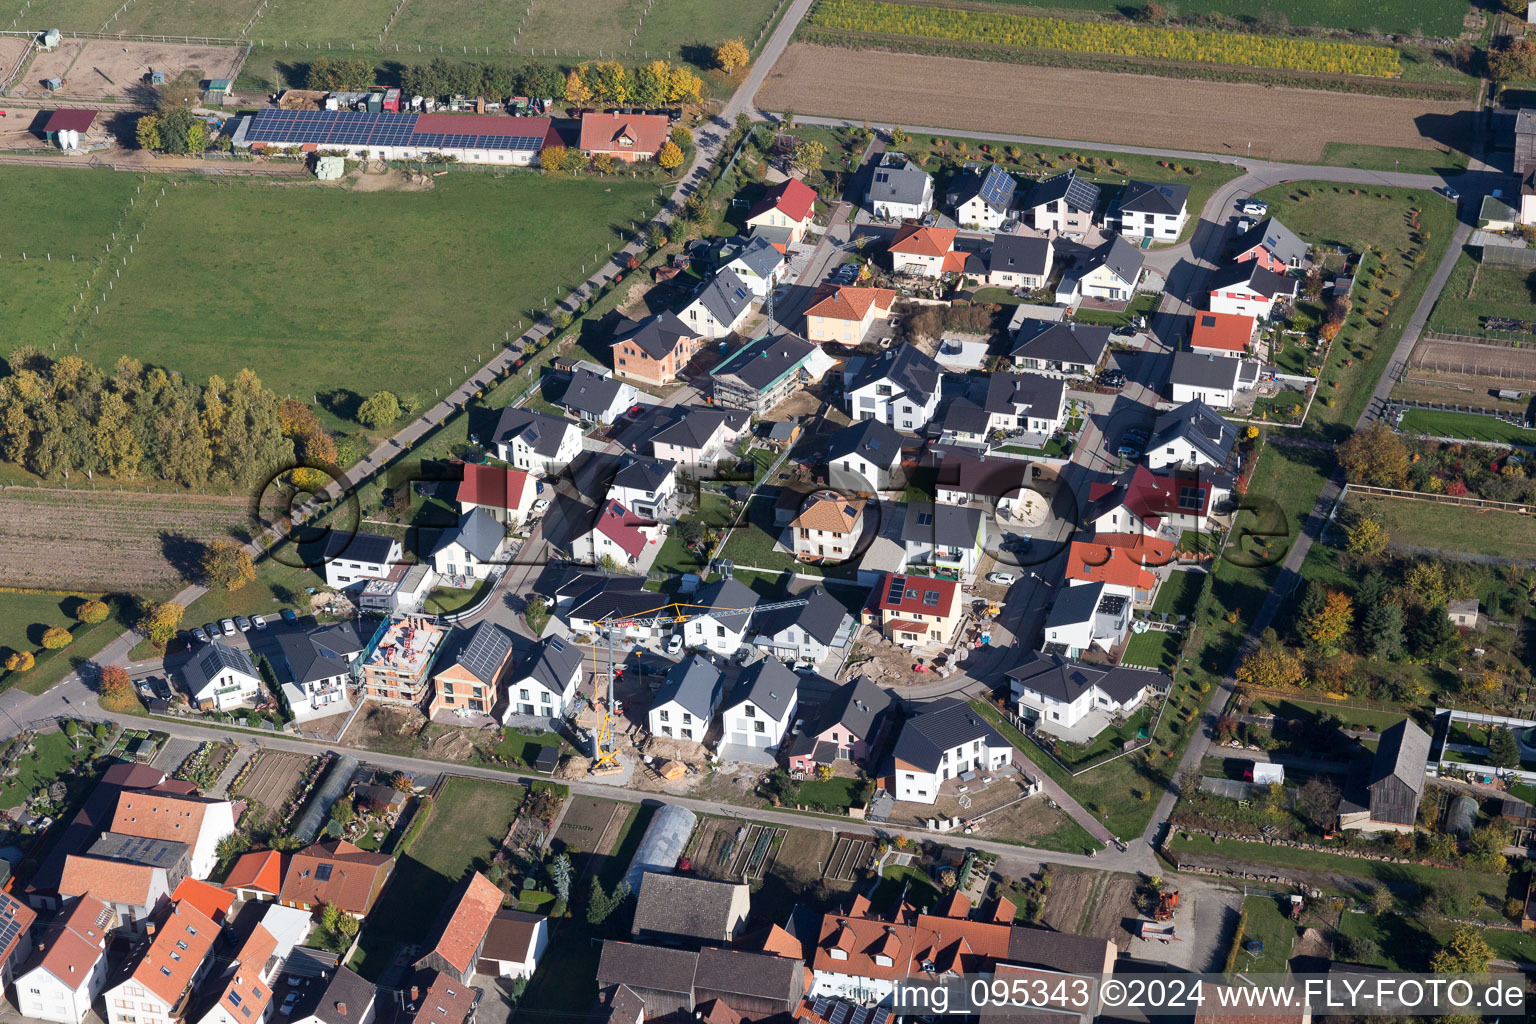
(605, 757)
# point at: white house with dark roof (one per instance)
(767, 371)
(546, 683)
(981, 197)
(478, 545)
(596, 398)
(762, 706)
(809, 632)
(1249, 288)
(353, 558)
(1060, 692)
(1020, 262)
(950, 537)
(724, 634)
(1150, 209)
(67, 967)
(345, 999)
(1027, 402)
(535, 442)
(1191, 436)
(1213, 380)
(965, 423)
(945, 739)
(899, 189)
(899, 387)
(1112, 272)
(863, 457)
(721, 306)
(685, 705)
(319, 665)
(761, 265)
(220, 677)
(698, 436)
(1064, 204)
(617, 534)
(1084, 617)
(644, 485)
(1062, 349)
(514, 944)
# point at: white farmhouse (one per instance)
(713, 630)
(1153, 210)
(1061, 692)
(319, 666)
(536, 443)
(220, 677)
(899, 387)
(352, 558)
(1190, 437)
(644, 485)
(685, 705)
(900, 190)
(721, 306)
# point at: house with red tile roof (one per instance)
(458, 938)
(1125, 563)
(207, 897)
(257, 876)
(155, 983)
(619, 534)
(133, 891)
(245, 990)
(926, 252)
(1222, 334)
(918, 611)
(67, 967)
(845, 314)
(16, 920)
(1162, 504)
(507, 494)
(172, 813)
(627, 137)
(790, 205)
(335, 872)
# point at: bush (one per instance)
(92, 612)
(56, 638)
(379, 410)
(20, 661)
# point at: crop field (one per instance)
(1134, 109)
(1433, 18)
(410, 289)
(108, 540)
(273, 780)
(1120, 38)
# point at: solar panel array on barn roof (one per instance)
(349, 128)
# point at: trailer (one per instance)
(1264, 773)
(1158, 931)
(392, 100)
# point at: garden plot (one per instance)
(271, 779)
(589, 826)
(851, 855)
(731, 849)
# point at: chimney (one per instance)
(341, 1008)
(415, 993)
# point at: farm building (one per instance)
(1396, 783)
(64, 128)
(468, 138)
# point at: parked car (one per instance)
(540, 505)
(199, 635)
(243, 623)
(258, 621)
(1129, 451)
(675, 644)
(1112, 379)
(211, 628)
(1125, 331)
(1002, 578)
(1449, 193)
(1254, 207)
(289, 615)
(228, 627)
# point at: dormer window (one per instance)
(882, 960)
(837, 954)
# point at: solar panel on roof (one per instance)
(997, 187)
(897, 588)
(1189, 497)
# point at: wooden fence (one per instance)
(1443, 499)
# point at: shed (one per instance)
(65, 126)
(1461, 816)
(1397, 776)
(1464, 612)
(1264, 773)
(53, 84)
(50, 39)
(217, 91)
(663, 843)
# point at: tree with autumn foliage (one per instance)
(159, 622)
(20, 661)
(92, 612)
(1375, 456)
(669, 156)
(1332, 623)
(576, 90)
(732, 54)
(56, 638)
(228, 565)
(1367, 536)
(1272, 666)
(117, 692)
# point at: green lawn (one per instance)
(1352, 717)
(1452, 527)
(1111, 741)
(1404, 943)
(315, 21)
(523, 750)
(225, 278)
(447, 600)
(1144, 304)
(837, 794)
(1433, 18)
(223, 18)
(1468, 426)
(920, 891)
(1178, 593)
(1153, 649)
(681, 26)
(752, 543)
(1393, 158)
(1474, 292)
(52, 753)
(24, 618)
(1264, 923)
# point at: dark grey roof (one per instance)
(857, 705)
(939, 726)
(725, 296)
(906, 367)
(1274, 236)
(1075, 605)
(871, 440)
(724, 594)
(761, 363)
(694, 683)
(358, 547)
(551, 664)
(760, 257)
(769, 685)
(345, 989)
(1198, 424)
(1019, 254)
(656, 968)
(1204, 371)
(684, 905)
(578, 582)
(591, 393)
(155, 853)
(1402, 752)
(994, 185)
(1079, 194)
(320, 653)
(692, 428)
(950, 525)
(644, 474)
(213, 659)
(1030, 393)
(1154, 197)
(657, 336)
(1066, 341)
(591, 474)
(755, 976)
(964, 417)
(542, 433)
(1260, 279)
(568, 519)
(979, 475)
(1122, 257)
(1065, 679)
(1058, 951)
(481, 649)
(906, 183)
(1525, 121)
(821, 616)
(615, 598)
(479, 533)
(620, 1005)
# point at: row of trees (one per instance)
(652, 84)
(442, 77)
(607, 81)
(172, 130)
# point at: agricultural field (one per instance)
(315, 21)
(1431, 18)
(1136, 110)
(1000, 28)
(220, 18)
(273, 780)
(482, 251)
(1476, 292)
(687, 25)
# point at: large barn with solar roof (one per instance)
(468, 138)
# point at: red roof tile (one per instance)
(14, 912)
(70, 121)
(483, 124)
(849, 303)
(914, 593)
(918, 240)
(263, 871)
(622, 526)
(495, 486)
(465, 927)
(210, 899)
(167, 965)
(353, 877)
(160, 813)
(115, 881)
(73, 941)
(1228, 332)
(246, 994)
(792, 197)
(1122, 559)
(608, 133)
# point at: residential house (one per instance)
(1271, 245)
(455, 941)
(1112, 272)
(535, 442)
(220, 677)
(443, 999)
(845, 313)
(1064, 204)
(844, 728)
(1212, 380)
(354, 557)
(155, 983)
(173, 812)
(765, 372)
(213, 900)
(626, 137)
(469, 672)
(245, 995)
(475, 549)
(762, 706)
(919, 611)
(685, 705)
(133, 876)
(644, 485)
(1027, 403)
(1123, 562)
(397, 666)
(713, 629)
(1150, 209)
(1191, 436)
(992, 483)
(67, 967)
(807, 633)
(1222, 334)
(1062, 349)
(1060, 692)
(318, 664)
(16, 920)
(655, 350)
(335, 872)
(981, 197)
(545, 685)
(950, 538)
(1249, 289)
(666, 980)
(610, 601)
(514, 945)
(1020, 262)
(402, 592)
(864, 457)
(507, 494)
(598, 398)
(945, 739)
(257, 876)
(1084, 617)
(791, 204)
(900, 190)
(1395, 784)
(618, 1004)
(829, 526)
(689, 911)
(81, 831)
(618, 537)
(345, 999)
(1164, 504)
(899, 387)
(926, 252)
(762, 265)
(965, 423)
(699, 437)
